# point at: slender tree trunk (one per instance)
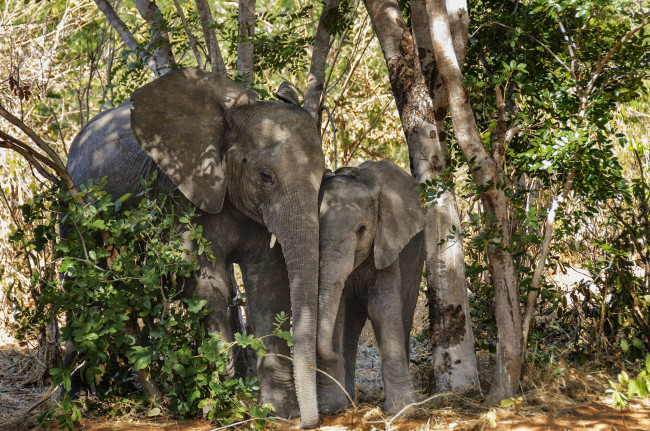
(510, 345)
(216, 60)
(316, 79)
(245, 62)
(422, 119)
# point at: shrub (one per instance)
(122, 272)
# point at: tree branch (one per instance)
(190, 37)
(499, 135)
(216, 60)
(162, 51)
(548, 234)
(32, 135)
(316, 79)
(599, 68)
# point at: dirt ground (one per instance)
(573, 399)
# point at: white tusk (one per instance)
(273, 240)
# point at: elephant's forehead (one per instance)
(344, 197)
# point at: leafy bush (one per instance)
(639, 385)
(121, 288)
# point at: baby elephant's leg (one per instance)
(385, 312)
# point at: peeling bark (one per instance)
(422, 104)
(510, 345)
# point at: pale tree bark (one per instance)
(421, 117)
(316, 79)
(207, 24)
(445, 261)
(510, 344)
(245, 61)
(162, 51)
(546, 242)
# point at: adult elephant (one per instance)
(253, 169)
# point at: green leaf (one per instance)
(140, 357)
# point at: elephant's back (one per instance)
(106, 147)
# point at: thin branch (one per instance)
(570, 48)
(190, 37)
(32, 161)
(539, 42)
(14, 144)
(548, 234)
(599, 68)
(499, 136)
(32, 135)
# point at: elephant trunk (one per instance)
(297, 233)
(334, 270)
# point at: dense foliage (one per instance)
(123, 301)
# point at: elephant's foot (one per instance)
(396, 401)
(277, 388)
(283, 401)
(332, 399)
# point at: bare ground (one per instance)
(555, 397)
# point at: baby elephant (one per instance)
(371, 258)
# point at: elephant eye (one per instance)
(266, 178)
(361, 229)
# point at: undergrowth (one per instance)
(135, 333)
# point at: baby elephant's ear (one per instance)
(289, 93)
(400, 216)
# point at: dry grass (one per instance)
(550, 395)
(21, 382)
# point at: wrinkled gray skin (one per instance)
(253, 169)
(371, 258)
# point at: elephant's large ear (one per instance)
(400, 216)
(180, 121)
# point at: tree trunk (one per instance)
(447, 293)
(216, 60)
(422, 119)
(510, 345)
(246, 21)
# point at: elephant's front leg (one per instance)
(212, 283)
(335, 390)
(385, 312)
(267, 294)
